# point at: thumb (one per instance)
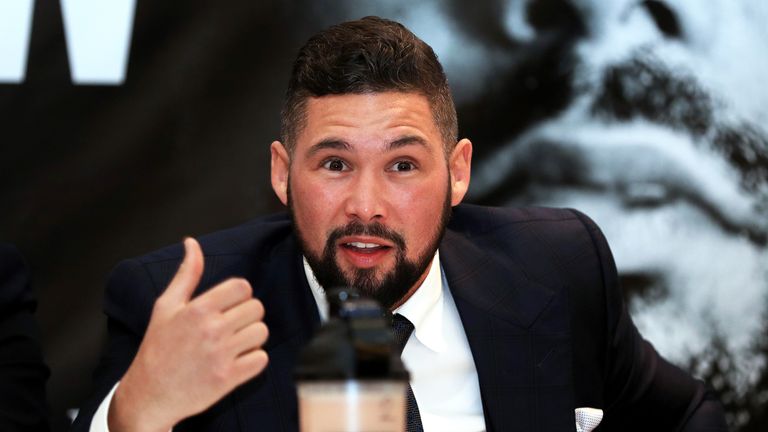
(189, 273)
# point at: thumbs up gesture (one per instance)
(194, 351)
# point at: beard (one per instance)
(387, 288)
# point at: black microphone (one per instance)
(349, 376)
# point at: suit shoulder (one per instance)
(227, 253)
(538, 228)
(253, 238)
(477, 219)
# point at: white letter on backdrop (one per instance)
(98, 34)
(15, 26)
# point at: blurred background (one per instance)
(126, 125)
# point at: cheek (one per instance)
(420, 210)
(313, 207)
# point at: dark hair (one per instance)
(369, 55)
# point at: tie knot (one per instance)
(401, 329)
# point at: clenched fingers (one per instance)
(250, 364)
(225, 295)
(243, 314)
(248, 339)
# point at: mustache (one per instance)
(375, 229)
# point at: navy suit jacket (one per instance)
(537, 293)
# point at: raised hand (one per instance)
(194, 351)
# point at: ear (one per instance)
(280, 165)
(460, 167)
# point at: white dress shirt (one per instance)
(443, 373)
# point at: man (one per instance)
(22, 370)
(518, 317)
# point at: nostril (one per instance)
(664, 17)
(560, 15)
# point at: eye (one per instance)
(402, 166)
(335, 165)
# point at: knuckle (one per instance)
(235, 288)
(200, 309)
(210, 329)
(243, 287)
(259, 308)
(221, 371)
(261, 359)
(262, 331)
(254, 364)
(255, 310)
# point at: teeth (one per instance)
(361, 245)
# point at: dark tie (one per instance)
(402, 329)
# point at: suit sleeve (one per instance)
(22, 371)
(642, 390)
(128, 302)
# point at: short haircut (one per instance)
(369, 55)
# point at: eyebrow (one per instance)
(329, 143)
(339, 144)
(409, 140)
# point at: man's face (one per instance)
(370, 190)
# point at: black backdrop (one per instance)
(91, 174)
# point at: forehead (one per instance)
(368, 119)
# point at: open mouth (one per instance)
(364, 247)
(364, 252)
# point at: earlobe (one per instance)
(280, 166)
(460, 165)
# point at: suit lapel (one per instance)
(496, 286)
(500, 307)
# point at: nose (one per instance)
(366, 199)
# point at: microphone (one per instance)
(349, 377)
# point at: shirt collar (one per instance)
(317, 291)
(424, 308)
